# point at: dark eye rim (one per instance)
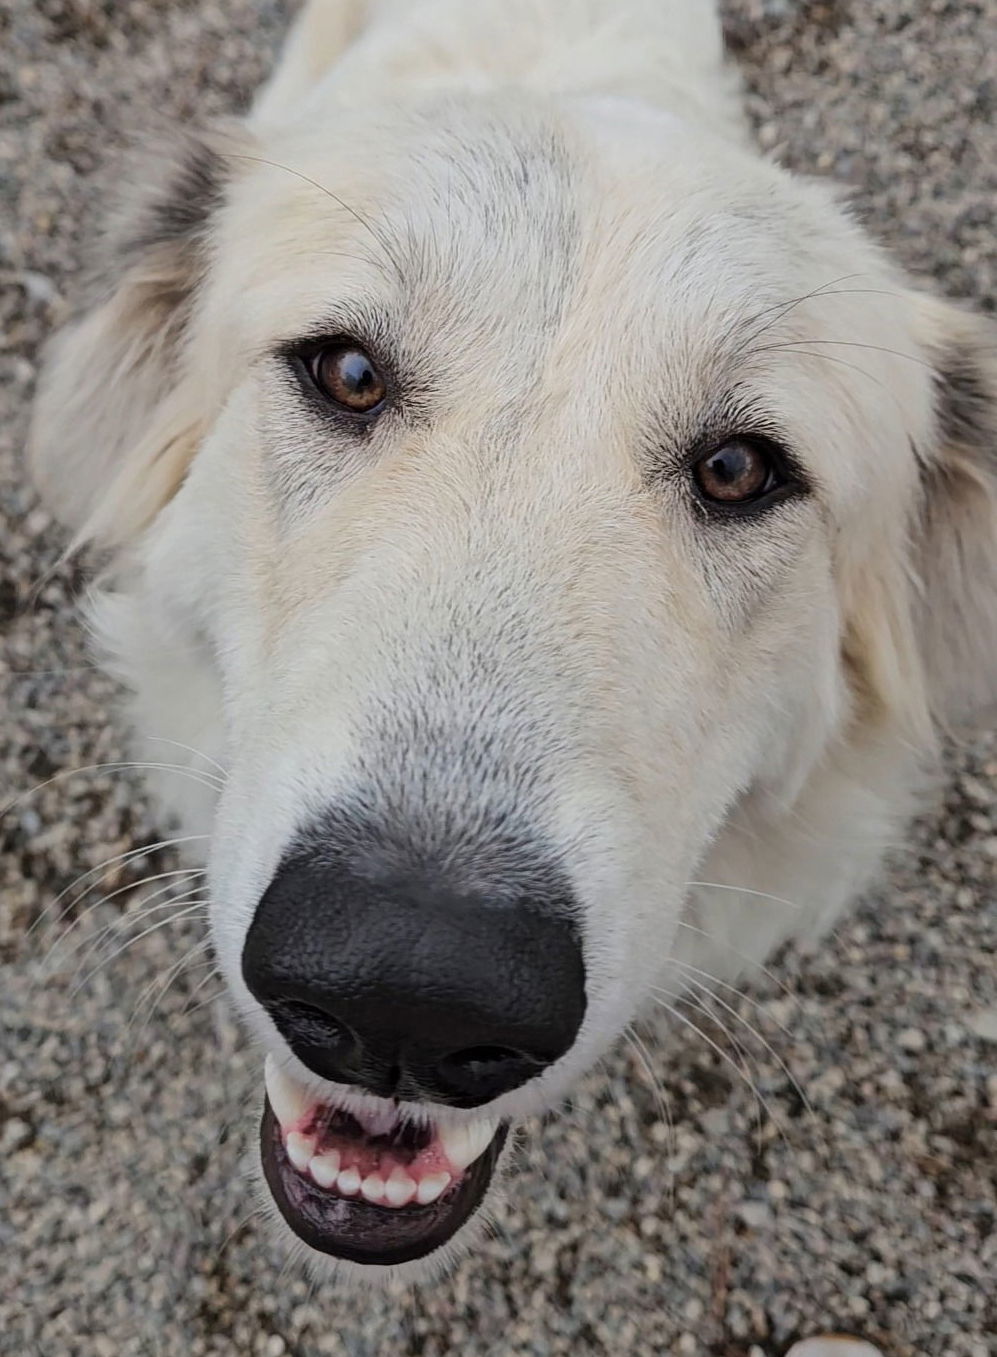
(301, 357)
(786, 478)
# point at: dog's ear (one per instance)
(955, 541)
(114, 425)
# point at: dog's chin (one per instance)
(374, 1190)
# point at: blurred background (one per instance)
(822, 1158)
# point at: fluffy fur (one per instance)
(504, 600)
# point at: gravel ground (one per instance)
(126, 1109)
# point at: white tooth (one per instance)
(288, 1099)
(372, 1187)
(324, 1168)
(300, 1150)
(464, 1142)
(399, 1189)
(348, 1182)
(431, 1187)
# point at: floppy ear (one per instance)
(956, 536)
(114, 424)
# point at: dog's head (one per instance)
(538, 499)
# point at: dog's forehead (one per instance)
(468, 209)
(427, 214)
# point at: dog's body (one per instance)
(500, 631)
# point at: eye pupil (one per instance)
(348, 377)
(737, 473)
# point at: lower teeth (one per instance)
(398, 1189)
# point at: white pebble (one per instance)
(832, 1345)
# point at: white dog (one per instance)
(538, 503)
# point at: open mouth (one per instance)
(374, 1188)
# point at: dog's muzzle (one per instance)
(388, 974)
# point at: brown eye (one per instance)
(349, 378)
(742, 471)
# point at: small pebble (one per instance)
(832, 1346)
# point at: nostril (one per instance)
(488, 1070)
(305, 1025)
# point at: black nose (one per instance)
(406, 983)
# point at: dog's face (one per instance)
(548, 489)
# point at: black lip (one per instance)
(352, 1228)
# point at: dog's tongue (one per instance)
(367, 1183)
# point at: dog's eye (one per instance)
(742, 472)
(348, 377)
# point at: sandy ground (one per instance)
(126, 1108)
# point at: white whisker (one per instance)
(198, 754)
(745, 890)
(658, 1092)
(718, 1050)
(156, 990)
(198, 907)
(763, 1042)
(213, 973)
(127, 856)
(127, 916)
(714, 981)
(114, 767)
(742, 956)
(121, 926)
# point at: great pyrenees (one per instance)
(539, 503)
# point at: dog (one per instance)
(568, 531)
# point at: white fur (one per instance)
(555, 204)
